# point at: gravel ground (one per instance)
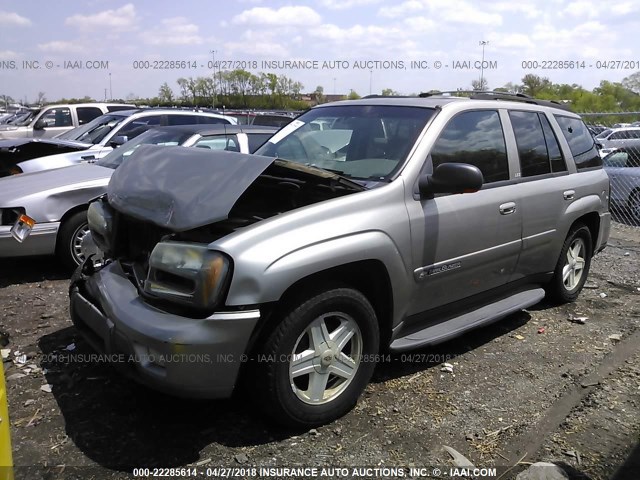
(534, 387)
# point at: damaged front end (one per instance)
(165, 206)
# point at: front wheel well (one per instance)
(370, 277)
(69, 213)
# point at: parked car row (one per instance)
(57, 199)
(95, 139)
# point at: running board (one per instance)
(476, 318)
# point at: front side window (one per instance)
(57, 117)
(476, 138)
(94, 131)
(581, 143)
(365, 142)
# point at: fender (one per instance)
(270, 284)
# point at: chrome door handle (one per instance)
(507, 208)
(569, 194)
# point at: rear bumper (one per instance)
(187, 357)
(41, 241)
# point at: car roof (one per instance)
(219, 129)
(512, 101)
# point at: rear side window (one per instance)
(476, 138)
(86, 114)
(555, 154)
(581, 143)
(256, 140)
(115, 108)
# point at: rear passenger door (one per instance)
(546, 188)
(467, 244)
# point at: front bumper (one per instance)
(187, 357)
(41, 241)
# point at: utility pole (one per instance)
(110, 88)
(213, 66)
(105, 94)
(484, 43)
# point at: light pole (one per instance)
(484, 43)
(213, 66)
(110, 89)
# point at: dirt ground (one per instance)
(534, 387)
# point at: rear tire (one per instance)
(317, 361)
(573, 266)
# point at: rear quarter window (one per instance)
(581, 143)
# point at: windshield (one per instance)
(25, 118)
(604, 134)
(150, 137)
(94, 131)
(365, 142)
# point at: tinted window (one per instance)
(86, 114)
(532, 148)
(635, 134)
(256, 140)
(553, 147)
(140, 125)
(581, 143)
(211, 120)
(115, 108)
(475, 138)
(94, 131)
(182, 120)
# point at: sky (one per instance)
(362, 45)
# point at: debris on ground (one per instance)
(578, 319)
(241, 458)
(458, 459)
(447, 367)
(46, 388)
(603, 295)
(615, 338)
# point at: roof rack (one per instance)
(490, 95)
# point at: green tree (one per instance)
(353, 95)
(165, 94)
(534, 84)
(389, 92)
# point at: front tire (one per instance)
(573, 266)
(317, 361)
(70, 237)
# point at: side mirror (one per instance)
(451, 178)
(40, 124)
(118, 140)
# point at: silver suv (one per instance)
(403, 223)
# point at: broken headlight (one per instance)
(100, 220)
(187, 273)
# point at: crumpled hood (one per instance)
(182, 188)
(75, 176)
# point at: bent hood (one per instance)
(181, 188)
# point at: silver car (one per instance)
(52, 120)
(402, 223)
(95, 139)
(57, 199)
(611, 139)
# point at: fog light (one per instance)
(22, 228)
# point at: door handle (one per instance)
(507, 208)
(569, 194)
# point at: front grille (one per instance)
(134, 240)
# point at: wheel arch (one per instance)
(69, 213)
